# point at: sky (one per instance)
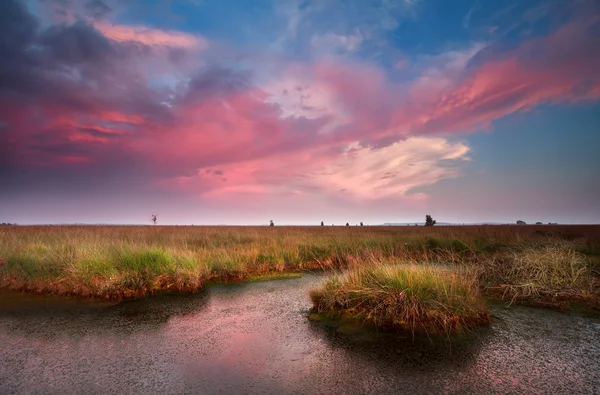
(299, 111)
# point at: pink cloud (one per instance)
(235, 127)
(49, 133)
(151, 36)
(80, 137)
(72, 159)
(116, 116)
(359, 173)
(459, 91)
(557, 68)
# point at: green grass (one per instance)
(419, 298)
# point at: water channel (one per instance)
(257, 338)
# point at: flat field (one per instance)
(539, 264)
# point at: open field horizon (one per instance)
(385, 224)
(133, 261)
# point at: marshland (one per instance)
(267, 308)
(310, 113)
(547, 265)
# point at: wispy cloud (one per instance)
(394, 170)
(150, 36)
(467, 18)
(356, 173)
(333, 25)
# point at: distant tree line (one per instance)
(7, 224)
(429, 221)
(271, 223)
(519, 222)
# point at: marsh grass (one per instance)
(418, 298)
(543, 272)
(131, 261)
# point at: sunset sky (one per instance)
(239, 112)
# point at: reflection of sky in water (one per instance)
(256, 338)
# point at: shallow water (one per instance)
(256, 338)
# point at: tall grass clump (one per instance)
(540, 271)
(418, 298)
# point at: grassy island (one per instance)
(425, 298)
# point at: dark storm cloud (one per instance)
(77, 43)
(16, 25)
(69, 95)
(58, 62)
(73, 65)
(94, 9)
(17, 32)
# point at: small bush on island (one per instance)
(418, 298)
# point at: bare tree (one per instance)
(153, 219)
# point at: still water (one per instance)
(256, 338)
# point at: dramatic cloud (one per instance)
(80, 91)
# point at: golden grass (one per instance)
(546, 271)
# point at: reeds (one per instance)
(542, 271)
(128, 261)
